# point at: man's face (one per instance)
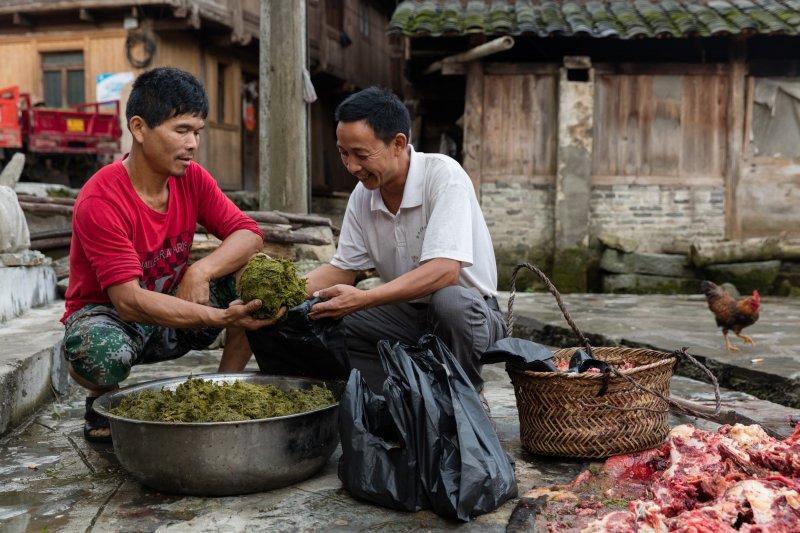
(366, 157)
(171, 146)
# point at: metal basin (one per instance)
(224, 458)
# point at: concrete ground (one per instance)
(52, 480)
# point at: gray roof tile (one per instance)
(625, 19)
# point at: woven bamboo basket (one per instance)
(592, 415)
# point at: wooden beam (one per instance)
(492, 47)
(191, 14)
(663, 69)
(21, 20)
(86, 15)
(521, 68)
(49, 244)
(179, 24)
(238, 34)
(46, 209)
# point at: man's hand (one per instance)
(240, 315)
(194, 287)
(341, 300)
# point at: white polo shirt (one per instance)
(439, 217)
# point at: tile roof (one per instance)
(624, 19)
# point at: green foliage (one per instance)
(197, 400)
(273, 281)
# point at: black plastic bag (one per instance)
(444, 430)
(378, 462)
(520, 353)
(528, 355)
(300, 346)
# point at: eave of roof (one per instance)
(623, 19)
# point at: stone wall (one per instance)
(520, 221)
(518, 213)
(657, 215)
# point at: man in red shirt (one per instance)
(132, 296)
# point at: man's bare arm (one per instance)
(422, 281)
(135, 304)
(328, 275)
(229, 257)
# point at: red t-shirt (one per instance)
(117, 238)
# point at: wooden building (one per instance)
(658, 121)
(60, 52)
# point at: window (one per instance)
(222, 74)
(63, 79)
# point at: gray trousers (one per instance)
(466, 322)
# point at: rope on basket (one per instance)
(678, 354)
(583, 340)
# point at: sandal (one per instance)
(93, 422)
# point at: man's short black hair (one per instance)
(380, 108)
(165, 92)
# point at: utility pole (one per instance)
(283, 114)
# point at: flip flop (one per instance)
(93, 421)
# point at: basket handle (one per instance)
(510, 328)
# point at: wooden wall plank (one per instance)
(473, 124)
(666, 148)
(669, 125)
(519, 125)
(18, 67)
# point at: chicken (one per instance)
(731, 314)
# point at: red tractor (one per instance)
(61, 145)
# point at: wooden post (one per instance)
(736, 113)
(285, 185)
(264, 89)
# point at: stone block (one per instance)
(667, 265)
(616, 262)
(61, 266)
(22, 288)
(61, 287)
(304, 266)
(25, 258)
(747, 277)
(31, 364)
(646, 284)
(323, 252)
(618, 242)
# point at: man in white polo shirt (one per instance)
(413, 217)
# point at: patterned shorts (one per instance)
(102, 348)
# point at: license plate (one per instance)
(75, 124)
